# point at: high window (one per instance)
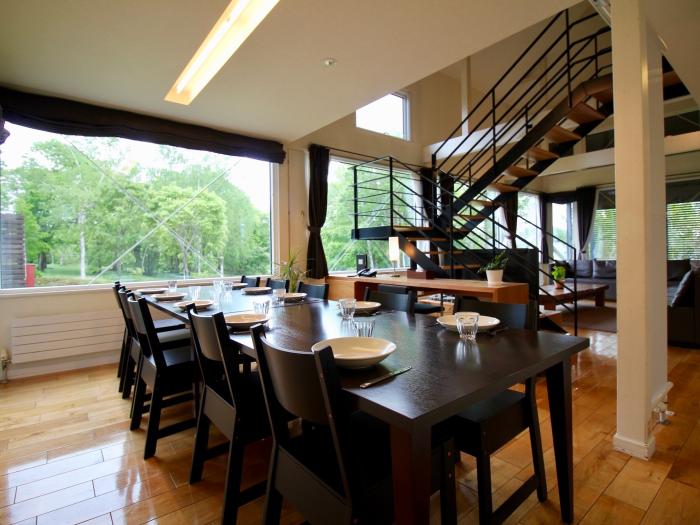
(563, 230)
(84, 210)
(388, 115)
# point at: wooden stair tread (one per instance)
(538, 154)
(583, 113)
(558, 135)
(412, 228)
(460, 266)
(519, 172)
(503, 188)
(468, 217)
(485, 204)
(442, 252)
(604, 96)
(431, 239)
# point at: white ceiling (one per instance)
(126, 54)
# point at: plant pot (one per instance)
(558, 285)
(494, 276)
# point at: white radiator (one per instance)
(56, 336)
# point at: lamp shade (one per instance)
(394, 250)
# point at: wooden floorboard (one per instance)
(67, 456)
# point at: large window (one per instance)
(563, 230)
(83, 210)
(529, 208)
(682, 222)
(388, 115)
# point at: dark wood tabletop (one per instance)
(448, 376)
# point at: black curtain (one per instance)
(447, 186)
(3, 132)
(319, 157)
(428, 193)
(544, 202)
(68, 117)
(510, 210)
(585, 201)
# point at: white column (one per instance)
(640, 194)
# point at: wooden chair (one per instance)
(338, 468)
(171, 333)
(392, 301)
(168, 373)
(418, 308)
(232, 400)
(278, 284)
(251, 281)
(487, 426)
(316, 291)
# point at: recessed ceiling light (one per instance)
(329, 61)
(236, 23)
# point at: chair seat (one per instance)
(175, 357)
(426, 308)
(174, 338)
(164, 325)
(489, 408)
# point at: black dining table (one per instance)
(447, 376)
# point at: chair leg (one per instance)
(153, 420)
(201, 444)
(536, 441)
(128, 372)
(448, 497)
(483, 474)
(273, 499)
(137, 403)
(232, 487)
(122, 356)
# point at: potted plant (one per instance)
(289, 270)
(559, 275)
(494, 269)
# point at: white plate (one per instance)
(256, 290)
(150, 291)
(485, 322)
(168, 296)
(201, 304)
(238, 286)
(367, 306)
(293, 297)
(244, 320)
(357, 352)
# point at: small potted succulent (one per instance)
(494, 269)
(559, 275)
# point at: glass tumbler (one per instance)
(467, 325)
(172, 286)
(278, 295)
(262, 307)
(364, 328)
(347, 308)
(194, 292)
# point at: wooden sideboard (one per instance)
(348, 286)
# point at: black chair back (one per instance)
(117, 286)
(393, 301)
(510, 315)
(316, 291)
(392, 288)
(123, 295)
(251, 281)
(278, 284)
(145, 331)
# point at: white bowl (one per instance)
(151, 291)
(485, 322)
(244, 320)
(201, 304)
(168, 296)
(256, 290)
(357, 352)
(367, 306)
(293, 297)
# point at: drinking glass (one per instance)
(228, 285)
(194, 292)
(261, 307)
(172, 286)
(467, 325)
(347, 308)
(364, 328)
(278, 294)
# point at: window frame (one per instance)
(406, 116)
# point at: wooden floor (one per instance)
(67, 456)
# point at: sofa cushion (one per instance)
(695, 264)
(584, 268)
(604, 269)
(569, 269)
(686, 289)
(675, 270)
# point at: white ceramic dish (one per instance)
(357, 352)
(168, 296)
(293, 297)
(151, 291)
(256, 290)
(201, 304)
(367, 306)
(244, 320)
(485, 322)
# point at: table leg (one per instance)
(559, 393)
(600, 298)
(410, 463)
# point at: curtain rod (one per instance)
(370, 156)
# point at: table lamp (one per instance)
(394, 253)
